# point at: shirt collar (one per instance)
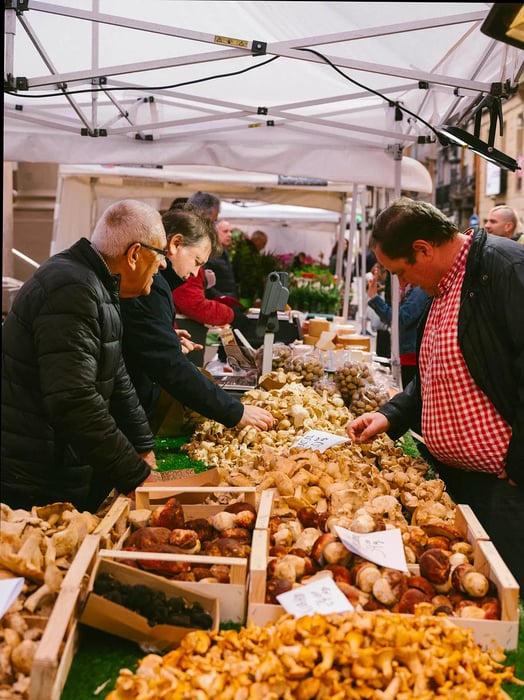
(446, 283)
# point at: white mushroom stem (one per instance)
(34, 600)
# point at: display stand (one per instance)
(276, 294)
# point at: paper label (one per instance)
(319, 440)
(321, 595)
(9, 591)
(384, 547)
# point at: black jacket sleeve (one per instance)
(154, 356)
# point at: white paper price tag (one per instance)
(9, 591)
(384, 547)
(321, 595)
(319, 440)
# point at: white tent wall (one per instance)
(85, 191)
(290, 229)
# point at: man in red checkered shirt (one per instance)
(467, 398)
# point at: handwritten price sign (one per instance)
(319, 440)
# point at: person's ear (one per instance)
(423, 248)
(175, 241)
(132, 255)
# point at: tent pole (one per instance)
(9, 33)
(363, 271)
(352, 228)
(395, 293)
(341, 236)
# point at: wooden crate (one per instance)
(58, 644)
(193, 499)
(487, 633)
(265, 505)
(232, 596)
(113, 527)
(115, 619)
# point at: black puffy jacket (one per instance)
(491, 337)
(72, 425)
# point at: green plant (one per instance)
(251, 269)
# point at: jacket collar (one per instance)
(91, 256)
(171, 276)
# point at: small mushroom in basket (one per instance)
(170, 515)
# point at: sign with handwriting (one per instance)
(384, 547)
(321, 595)
(319, 440)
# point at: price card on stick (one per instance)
(321, 595)
(319, 440)
(384, 547)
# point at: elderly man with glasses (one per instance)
(72, 425)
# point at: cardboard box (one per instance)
(233, 595)
(116, 619)
(487, 633)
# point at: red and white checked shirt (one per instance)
(459, 423)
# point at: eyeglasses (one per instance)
(159, 251)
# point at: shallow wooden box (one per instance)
(113, 526)
(487, 633)
(232, 596)
(116, 619)
(58, 644)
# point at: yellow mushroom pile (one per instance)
(351, 656)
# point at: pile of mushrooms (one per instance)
(355, 655)
(38, 545)
(165, 529)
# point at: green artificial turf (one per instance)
(98, 661)
(169, 455)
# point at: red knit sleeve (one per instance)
(190, 300)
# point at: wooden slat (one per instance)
(265, 505)
(468, 524)
(145, 496)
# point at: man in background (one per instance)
(504, 221)
(259, 240)
(221, 284)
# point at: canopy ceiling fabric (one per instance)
(306, 89)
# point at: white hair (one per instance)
(124, 223)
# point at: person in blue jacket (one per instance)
(413, 300)
(152, 349)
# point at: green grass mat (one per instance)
(169, 455)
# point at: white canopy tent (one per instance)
(290, 229)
